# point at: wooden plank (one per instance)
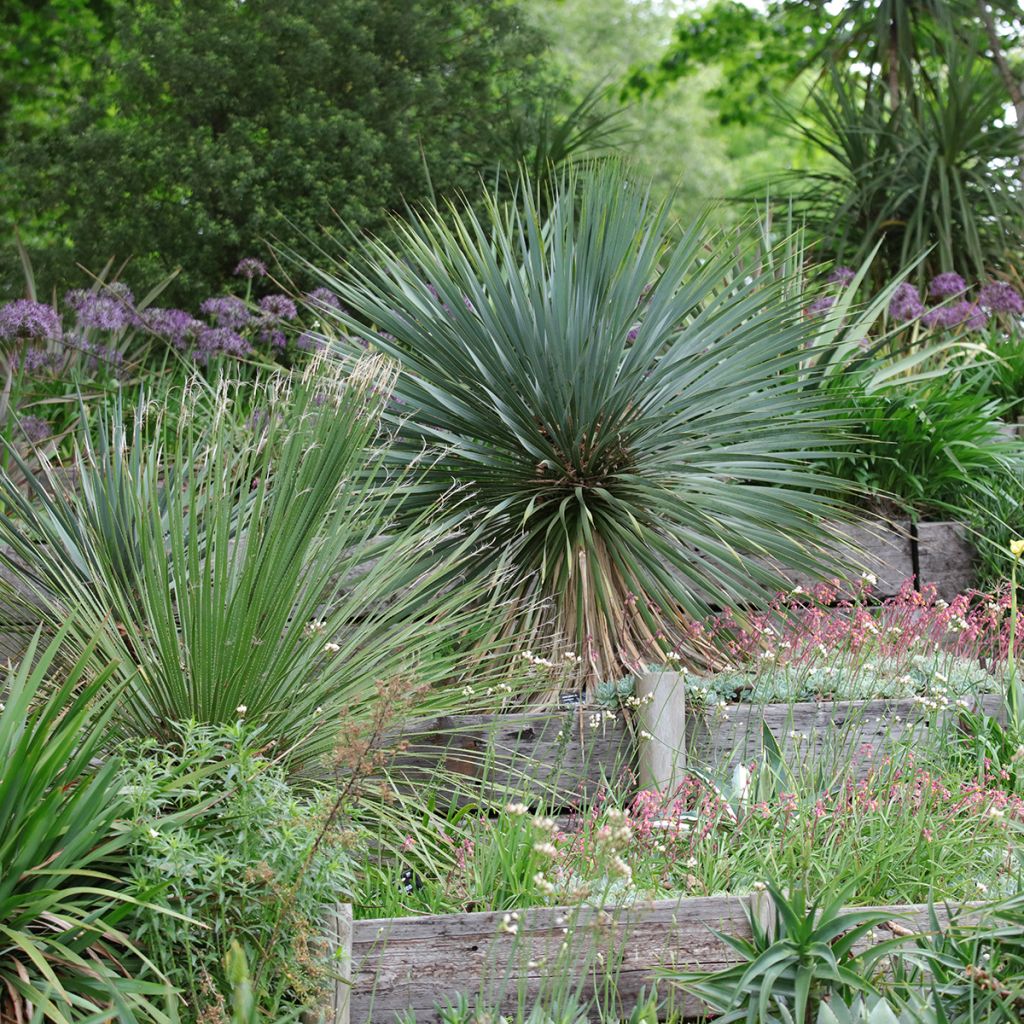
(857, 733)
(413, 964)
(946, 558)
(564, 756)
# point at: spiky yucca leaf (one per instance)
(628, 415)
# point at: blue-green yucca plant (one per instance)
(624, 409)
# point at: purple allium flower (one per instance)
(905, 303)
(633, 333)
(841, 276)
(33, 360)
(101, 355)
(226, 311)
(280, 307)
(999, 297)
(822, 304)
(943, 286)
(960, 314)
(309, 342)
(251, 267)
(108, 310)
(25, 320)
(323, 298)
(214, 341)
(274, 338)
(35, 428)
(176, 326)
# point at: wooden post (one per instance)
(762, 909)
(662, 697)
(338, 923)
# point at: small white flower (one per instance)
(241, 709)
(869, 578)
(153, 834)
(332, 648)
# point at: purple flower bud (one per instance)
(175, 326)
(226, 311)
(274, 338)
(35, 360)
(999, 297)
(945, 285)
(214, 341)
(308, 342)
(279, 307)
(905, 303)
(961, 314)
(25, 320)
(35, 428)
(841, 276)
(822, 304)
(251, 267)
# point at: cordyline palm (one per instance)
(626, 411)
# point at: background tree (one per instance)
(209, 126)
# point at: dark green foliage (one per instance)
(935, 448)
(211, 125)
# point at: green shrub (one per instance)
(930, 449)
(222, 840)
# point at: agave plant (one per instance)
(245, 569)
(787, 969)
(60, 952)
(623, 410)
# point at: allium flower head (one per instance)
(906, 303)
(107, 310)
(227, 311)
(25, 320)
(822, 304)
(214, 341)
(251, 267)
(308, 342)
(841, 276)
(33, 360)
(280, 307)
(176, 326)
(323, 298)
(999, 297)
(942, 286)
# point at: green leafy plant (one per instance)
(788, 969)
(623, 410)
(62, 954)
(251, 867)
(248, 565)
(928, 448)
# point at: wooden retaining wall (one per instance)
(413, 963)
(568, 755)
